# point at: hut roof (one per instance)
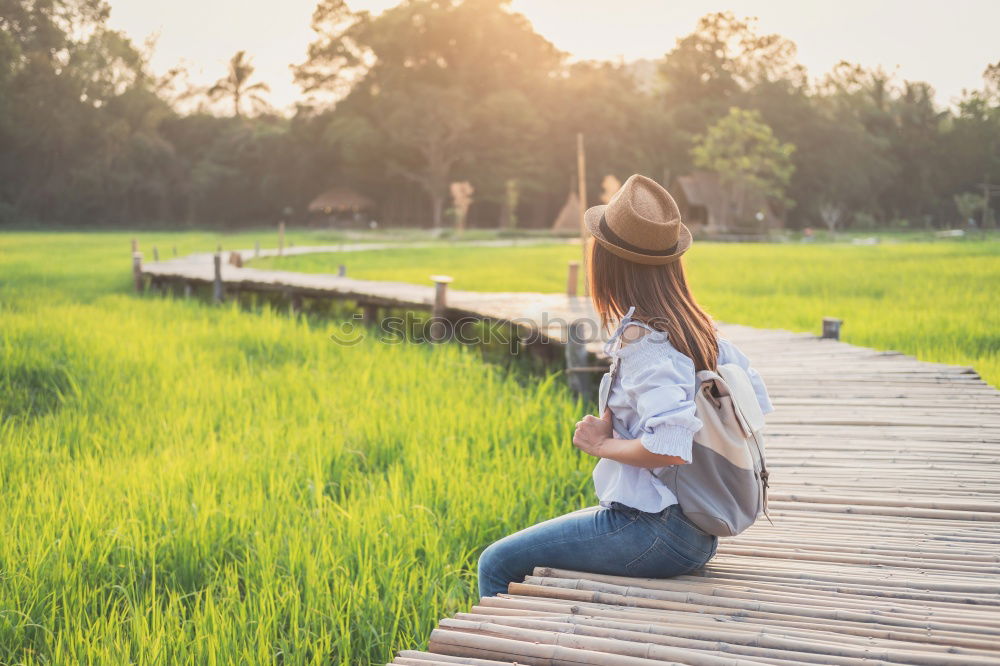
(702, 188)
(569, 215)
(339, 198)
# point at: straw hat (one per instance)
(640, 223)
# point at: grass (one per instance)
(187, 484)
(939, 301)
(181, 483)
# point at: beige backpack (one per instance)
(723, 489)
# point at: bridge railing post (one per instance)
(572, 278)
(217, 291)
(439, 328)
(577, 374)
(137, 269)
(831, 327)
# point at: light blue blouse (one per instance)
(652, 400)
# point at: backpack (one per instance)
(724, 488)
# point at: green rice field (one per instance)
(189, 484)
(181, 483)
(939, 301)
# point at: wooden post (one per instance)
(576, 357)
(256, 249)
(175, 250)
(573, 278)
(135, 245)
(438, 327)
(217, 292)
(187, 289)
(370, 314)
(581, 175)
(831, 327)
(156, 254)
(281, 238)
(137, 269)
(341, 270)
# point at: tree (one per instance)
(747, 156)
(714, 68)
(236, 85)
(725, 55)
(505, 136)
(449, 85)
(429, 126)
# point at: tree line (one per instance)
(403, 105)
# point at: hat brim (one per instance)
(592, 220)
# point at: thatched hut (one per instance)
(340, 200)
(708, 211)
(568, 219)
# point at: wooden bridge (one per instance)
(540, 318)
(885, 548)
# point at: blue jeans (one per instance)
(620, 541)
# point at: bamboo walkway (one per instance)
(541, 317)
(884, 492)
(885, 497)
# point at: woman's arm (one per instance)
(593, 436)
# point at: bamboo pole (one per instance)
(897, 608)
(476, 645)
(617, 643)
(698, 619)
(719, 582)
(448, 659)
(654, 609)
(581, 175)
(752, 643)
(671, 599)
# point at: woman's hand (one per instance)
(591, 433)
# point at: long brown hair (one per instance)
(661, 298)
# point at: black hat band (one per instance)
(625, 245)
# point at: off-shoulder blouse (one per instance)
(652, 400)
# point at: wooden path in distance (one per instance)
(885, 549)
(885, 497)
(540, 316)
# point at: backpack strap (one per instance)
(749, 413)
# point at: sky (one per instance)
(946, 44)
